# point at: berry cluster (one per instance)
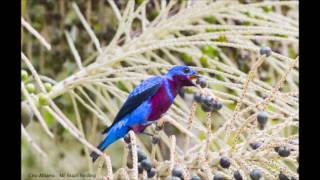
(208, 104)
(144, 163)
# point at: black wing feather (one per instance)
(140, 94)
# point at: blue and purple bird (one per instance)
(146, 104)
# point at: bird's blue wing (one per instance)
(140, 94)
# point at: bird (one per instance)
(147, 103)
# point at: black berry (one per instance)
(141, 155)
(283, 177)
(255, 145)
(284, 151)
(202, 82)
(206, 108)
(218, 177)
(265, 51)
(208, 100)
(203, 98)
(262, 118)
(151, 173)
(255, 174)
(237, 175)
(146, 164)
(276, 149)
(177, 172)
(225, 162)
(140, 169)
(217, 105)
(195, 177)
(197, 97)
(155, 140)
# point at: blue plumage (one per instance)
(141, 93)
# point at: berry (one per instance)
(140, 169)
(197, 97)
(225, 162)
(276, 149)
(255, 174)
(155, 140)
(218, 177)
(177, 172)
(283, 177)
(195, 177)
(284, 151)
(262, 118)
(255, 145)
(208, 100)
(146, 164)
(237, 175)
(203, 98)
(202, 82)
(24, 75)
(151, 173)
(31, 88)
(265, 51)
(217, 105)
(127, 139)
(48, 86)
(43, 100)
(206, 108)
(141, 155)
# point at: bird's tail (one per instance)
(95, 155)
(116, 132)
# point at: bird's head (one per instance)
(183, 74)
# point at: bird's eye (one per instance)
(186, 70)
